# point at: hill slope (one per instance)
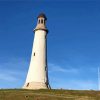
(20, 94)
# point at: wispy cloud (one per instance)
(6, 76)
(72, 77)
(13, 71)
(57, 68)
(13, 74)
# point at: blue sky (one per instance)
(73, 41)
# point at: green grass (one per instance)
(21, 94)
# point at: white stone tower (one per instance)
(37, 77)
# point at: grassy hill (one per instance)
(20, 94)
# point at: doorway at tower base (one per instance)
(35, 85)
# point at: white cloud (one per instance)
(7, 77)
(15, 70)
(12, 70)
(72, 78)
(57, 68)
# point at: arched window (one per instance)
(27, 84)
(41, 21)
(34, 53)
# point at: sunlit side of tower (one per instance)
(37, 77)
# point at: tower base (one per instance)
(35, 85)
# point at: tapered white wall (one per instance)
(37, 68)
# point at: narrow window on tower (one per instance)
(42, 21)
(34, 53)
(39, 21)
(27, 84)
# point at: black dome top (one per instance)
(42, 15)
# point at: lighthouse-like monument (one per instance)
(37, 77)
